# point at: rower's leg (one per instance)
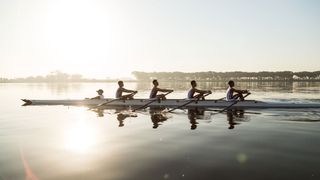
(241, 97)
(159, 97)
(238, 96)
(128, 96)
(163, 97)
(200, 95)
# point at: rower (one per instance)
(193, 90)
(100, 95)
(121, 89)
(234, 94)
(155, 90)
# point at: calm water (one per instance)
(60, 142)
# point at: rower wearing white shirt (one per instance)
(234, 94)
(193, 90)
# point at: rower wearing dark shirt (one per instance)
(155, 90)
(121, 89)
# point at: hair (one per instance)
(100, 90)
(230, 82)
(120, 82)
(192, 82)
(154, 81)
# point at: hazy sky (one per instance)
(100, 38)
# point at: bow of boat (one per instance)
(26, 102)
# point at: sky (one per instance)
(112, 38)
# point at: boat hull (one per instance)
(171, 103)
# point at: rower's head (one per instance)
(155, 82)
(100, 91)
(120, 83)
(231, 83)
(193, 83)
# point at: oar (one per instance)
(151, 101)
(113, 100)
(217, 110)
(102, 104)
(192, 100)
(235, 102)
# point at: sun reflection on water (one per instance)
(81, 137)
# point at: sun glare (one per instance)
(80, 137)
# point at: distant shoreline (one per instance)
(209, 76)
(167, 81)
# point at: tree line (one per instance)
(56, 76)
(225, 76)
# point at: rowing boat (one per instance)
(171, 103)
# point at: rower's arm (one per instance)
(97, 97)
(128, 91)
(165, 90)
(201, 91)
(240, 91)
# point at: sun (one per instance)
(81, 40)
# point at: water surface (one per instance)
(61, 142)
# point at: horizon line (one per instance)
(110, 78)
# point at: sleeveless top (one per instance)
(229, 96)
(191, 93)
(119, 92)
(153, 93)
(101, 96)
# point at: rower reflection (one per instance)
(193, 115)
(122, 114)
(157, 116)
(234, 117)
(100, 112)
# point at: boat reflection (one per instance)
(159, 116)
